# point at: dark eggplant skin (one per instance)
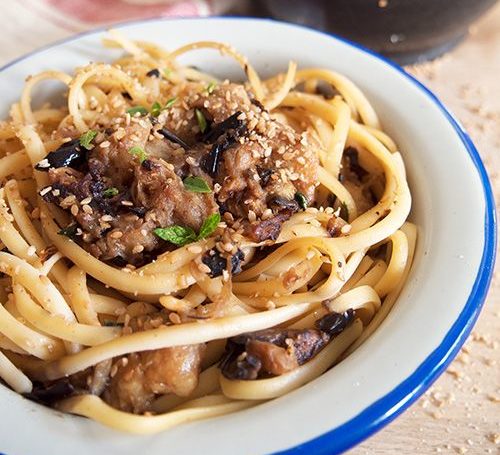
(238, 363)
(223, 135)
(217, 263)
(217, 130)
(70, 154)
(155, 72)
(172, 137)
(49, 394)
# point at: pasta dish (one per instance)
(177, 247)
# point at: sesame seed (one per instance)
(106, 218)
(252, 216)
(174, 318)
(116, 234)
(114, 370)
(310, 254)
(137, 249)
(268, 213)
(44, 163)
(45, 190)
(74, 210)
(106, 144)
(228, 216)
(195, 249)
(87, 209)
(127, 203)
(346, 229)
(87, 200)
(228, 246)
(35, 214)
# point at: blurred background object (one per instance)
(407, 31)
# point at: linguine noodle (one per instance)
(66, 312)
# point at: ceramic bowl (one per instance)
(452, 207)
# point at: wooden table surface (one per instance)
(461, 412)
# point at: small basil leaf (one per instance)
(87, 138)
(139, 152)
(137, 109)
(196, 185)
(202, 121)
(211, 87)
(110, 192)
(69, 231)
(209, 226)
(301, 200)
(156, 109)
(170, 102)
(178, 235)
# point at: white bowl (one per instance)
(453, 208)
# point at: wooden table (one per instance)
(461, 411)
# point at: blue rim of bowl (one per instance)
(387, 408)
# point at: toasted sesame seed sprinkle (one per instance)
(252, 216)
(137, 249)
(174, 318)
(44, 163)
(116, 234)
(87, 209)
(346, 229)
(195, 249)
(45, 190)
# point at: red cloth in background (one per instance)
(105, 11)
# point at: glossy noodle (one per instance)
(178, 247)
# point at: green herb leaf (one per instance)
(87, 138)
(139, 152)
(301, 200)
(196, 185)
(211, 87)
(137, 109)
(112, 324)
(69, 231)
(170, 102)
(202, 121)
(110, 192)
(178, 235)
(156, 109)
(209, 226)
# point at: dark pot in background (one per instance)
(407, 31)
